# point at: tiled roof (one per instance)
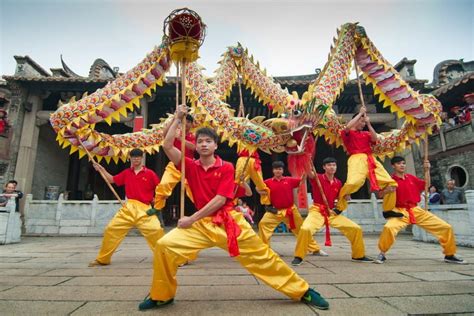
(469, 77)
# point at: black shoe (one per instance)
(297, 261)
(363, 259)
(380, 258)
(454, 259)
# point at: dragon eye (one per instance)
(297, 113)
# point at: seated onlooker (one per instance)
(434, 198)
(451, 195)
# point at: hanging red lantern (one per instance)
(185, 33)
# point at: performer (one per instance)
(250, 167)
(362, 164)
(172, 176)
(140, 183)
(319, 214)
(407, 212)
(284, 208)
(216, 223)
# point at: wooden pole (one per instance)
(427, 170)
(241, 104)
(240, 180)
(361, 95)
(183, 138)
(325, 200)
(91, 158)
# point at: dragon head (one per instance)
(303, 117)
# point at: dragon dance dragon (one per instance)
(297, 119)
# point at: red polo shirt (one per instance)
(330, 189)
(206, 184)
(281, 191)
(140, 186)
(190, 138)
(408, 190)
(357, 142)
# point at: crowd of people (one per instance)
(224, 220)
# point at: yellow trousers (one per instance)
(315, 221)
(270, 221)
(171, 177)
(132, 215)
(253, 174)
(181, 245)
(426, 220)
(357, 172)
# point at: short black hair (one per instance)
(189, 118)
(329, 160)
(396, 159)
(207, 131)
(278, 164)
(13, 181)
(136, 152)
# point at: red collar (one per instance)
(218, 163)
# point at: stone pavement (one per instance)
(49, 275)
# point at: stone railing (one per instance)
(452, 137)
(89, 218)
(63, 217)
(461, 218)
(10, 224)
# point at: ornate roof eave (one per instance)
(448, 87)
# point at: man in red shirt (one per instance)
(319, 215)
(172, 175)
(284, 208)
(216, 223)
(407, 212)
(140, 183)
(362, 164)
(253, 170)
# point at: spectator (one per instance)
(19, 195)
(247, 212)
(434, 198)
(451, 195)
(4, 125)
(8, 192)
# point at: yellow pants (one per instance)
(315, 221)
(426, 220)
(357, 172)
(181, 245)
(253, 174)
(132, 215)
(270, 221)
(171, 177)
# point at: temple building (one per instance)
(30, 154)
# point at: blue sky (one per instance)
(288, 38)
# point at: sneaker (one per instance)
(311, 297)
(320, 253)
(380, 258)
(297, 261)
(96, 263)
(454, 259)
(363, 259)
(148, 303)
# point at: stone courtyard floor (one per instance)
(49, 275)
